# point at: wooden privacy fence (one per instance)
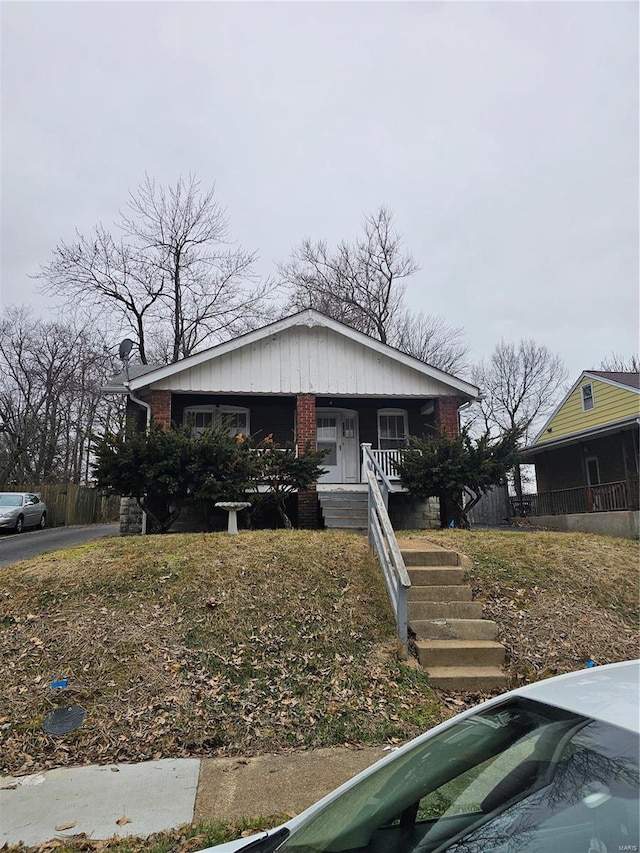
(68, 503)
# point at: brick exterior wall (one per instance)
(161, 408)
(306, 432)
(447, 416)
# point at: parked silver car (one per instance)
(22, 509)
(548, 768)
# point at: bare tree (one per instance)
(520, 384)
(50, 400)
(431, 339)
(619, 364)
(106, 275)
(172, 271)
(360, 284)
(363, 283)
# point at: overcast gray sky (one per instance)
(504, 136)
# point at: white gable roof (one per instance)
(305, 353)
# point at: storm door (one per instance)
(337, 433)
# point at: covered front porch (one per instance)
(341, 426)
(587, 482)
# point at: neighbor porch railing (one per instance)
(606, 497)
(383, 540)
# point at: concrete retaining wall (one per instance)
(410, 513)
(625, 524)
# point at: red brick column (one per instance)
(306, 433)
(447, 416)
(161, 408)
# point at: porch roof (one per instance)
(575, 438)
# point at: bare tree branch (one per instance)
(50, 398)
(520, 384)
(360, 284)
(173, 273)
(433, 340)
(620, 364)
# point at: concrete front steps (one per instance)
(456, 646)
(343, 510)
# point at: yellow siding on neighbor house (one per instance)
(611, 404)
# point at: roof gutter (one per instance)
(140, 402)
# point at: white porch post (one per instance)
(364, 465)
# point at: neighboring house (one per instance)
(586, 457)
(305, 378)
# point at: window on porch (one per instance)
(201, 418)
(327, 438)
(392, 429)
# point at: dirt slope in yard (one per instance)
(208, 644)
(202, 645)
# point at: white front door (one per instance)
(338, 434)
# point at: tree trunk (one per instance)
(517, 484)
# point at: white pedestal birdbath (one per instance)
(232, 507)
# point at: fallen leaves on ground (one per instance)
(196, 645)
(184, 839)
(299, 653)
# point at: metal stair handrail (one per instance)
(383, 539)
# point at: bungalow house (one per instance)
(586, 457)
(308, 378)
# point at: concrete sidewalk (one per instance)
(140, 799)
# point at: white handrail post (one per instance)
(366, 449)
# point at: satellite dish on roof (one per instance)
(125, 348)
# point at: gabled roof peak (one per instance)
(311, 319)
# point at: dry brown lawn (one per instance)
(207, 644)
(204, 644)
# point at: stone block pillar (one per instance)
(306, 433)
(130, 517)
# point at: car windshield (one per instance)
(518, 777)
(9, 499)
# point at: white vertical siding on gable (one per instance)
(312, 360)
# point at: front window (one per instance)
(201, 418)
(327, 438)
(520, 776)
(392, 429)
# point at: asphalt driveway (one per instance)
(22, 546)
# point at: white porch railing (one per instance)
(383, 539)
(386, 460)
